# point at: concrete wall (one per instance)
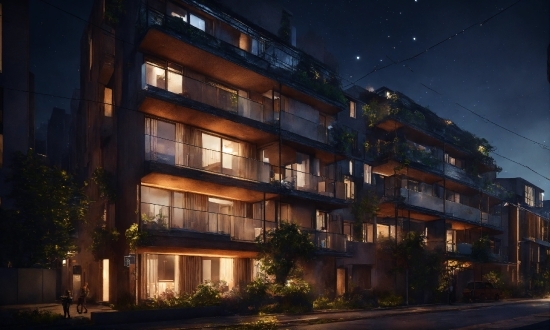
(27, 286)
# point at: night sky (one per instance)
(496, 69)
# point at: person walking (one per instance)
(83, 294)
(66, 302)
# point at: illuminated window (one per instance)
(197, 22)
(529, 196)
(108, 102)
(385, 231)
(367, 173)
(352, 113)
(350, 188)
(105, 287)
(351, 167)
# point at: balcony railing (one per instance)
(159, 217)
(181, 154)
(170, 152)
(303, 127)
(265, 53)
(450, 208)
(327, 241)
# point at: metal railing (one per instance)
(156, 217)
(326, 240)
(303, 127)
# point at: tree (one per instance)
(48, 205)
(421, 267)
(481, 252)
(282, 249)
(363, 210)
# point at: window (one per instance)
(540, 201)
(90, 49)
(155, 73)
(529, 196)
(350, 188)
(197, 22)
(176, 11)
(452, 196)
(367, 173)
(108, 102)
(413, 185)
(453, 161)
(451, 240)
(175, 78)
(321, 223)
(351, 167)
(385, 231)
(352, 109)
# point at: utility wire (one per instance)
(488, 120)
(438, 43)
(527, 167)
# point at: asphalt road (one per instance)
(525, 316)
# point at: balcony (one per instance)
(161, 218)
(419, 199)
(180, 154)
(462, 211)
(250, 48)
(208, 94)
(327, 241)
(175, 153)
(303, 127)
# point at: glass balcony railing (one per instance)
(170, 152)
(159, 217)
(303, 127)
(181, 154)
(450, 208)
(327, 241)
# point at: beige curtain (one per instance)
(190, 273)
(180, 155)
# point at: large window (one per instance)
(179, 12)
(108, 102)
(529, 196)
(352, 113)
(367, 173)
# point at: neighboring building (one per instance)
(432, 178)
(213, 130)
(529, 228)
(16, 86)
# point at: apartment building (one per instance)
(211, 130)
(431, 177)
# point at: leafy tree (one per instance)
(421, 266)
(135, 237)
(363, 210)
(282, 249)
(48, 205)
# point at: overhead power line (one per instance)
(489, 120)
(438, 43)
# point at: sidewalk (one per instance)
(221, 322)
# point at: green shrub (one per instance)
(267, 323)
(36, 317)
(295, 296)
(323, 302)
(389, 300)
(206, 294)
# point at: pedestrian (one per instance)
(66, 302)
(83, 294)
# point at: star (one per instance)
(358, 57)
(414, 38)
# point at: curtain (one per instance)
(242, 271)
(181, 158)
(190, 273)
(227, 271)
(150, 139)
(152, 275)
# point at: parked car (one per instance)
(481, 290)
